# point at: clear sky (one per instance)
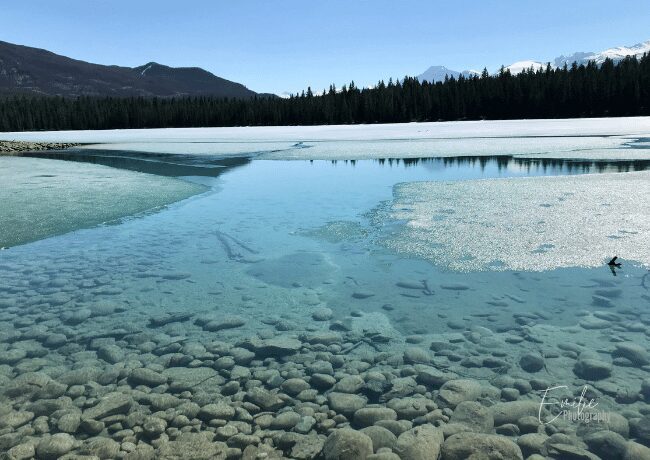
(285, 46)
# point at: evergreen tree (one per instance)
(611, 89)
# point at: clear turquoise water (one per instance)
(274, 238)
(273, 241)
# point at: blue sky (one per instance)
(279, 46)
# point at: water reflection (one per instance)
(161, 164)
(211, 166)
(545, 165)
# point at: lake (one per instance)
(236, 289)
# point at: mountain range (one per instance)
(27, 70)
(34, 71)
(438, 73)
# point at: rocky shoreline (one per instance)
(16, 147)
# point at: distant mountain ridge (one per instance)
(616, 54)
(27, 70)
(438, 73)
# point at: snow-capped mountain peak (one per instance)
(616, 54)
(438, 73)
(520, 66)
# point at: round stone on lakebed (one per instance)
(347, 444)
(294, 386)
(322, 314)
(216, 411)
(229, 322)
(368, 416)
(344, 403)
(637, 354)
(422, 442)
(531, 362)
(592, 369)
(453, 392)
(274, 347)
(473, 445)
(55, 446)
(147, 377)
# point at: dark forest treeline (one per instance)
(579, 91)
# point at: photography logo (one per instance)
(558, 403)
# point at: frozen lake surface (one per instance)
(264, 297)
(598, 138)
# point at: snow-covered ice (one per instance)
(562, 138)
(536, 224)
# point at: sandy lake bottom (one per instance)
(308, 308)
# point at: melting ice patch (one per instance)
(574, 147)
(535, 224)
(41, 198)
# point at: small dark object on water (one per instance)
(613, 263)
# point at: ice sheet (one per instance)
(592, 147)
(212, 148)
(40, 198)
(454, 129)
(521, 223)
(573, 138)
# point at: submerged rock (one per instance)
(15, 419)
(636, 451)
(362, 294)
(345, 403)
(531, 362)
(415, 355)
(637, 354)
(193, 445)
(349, 384)
(368, 416)
(592, 369)
(216, 411)
(101, 447)
(111, 354)
(229, 322)
(421, 443)
(111, 404)
(148, 377)
(55, 446)
(474, 416)
(466, 445)
(606, 444)
(455, 286)
(274, 347)
(453, 392)
(511, 412)
(381, 437)
(322, 314)
(294, 386)
(347, 444)
(265, 399)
